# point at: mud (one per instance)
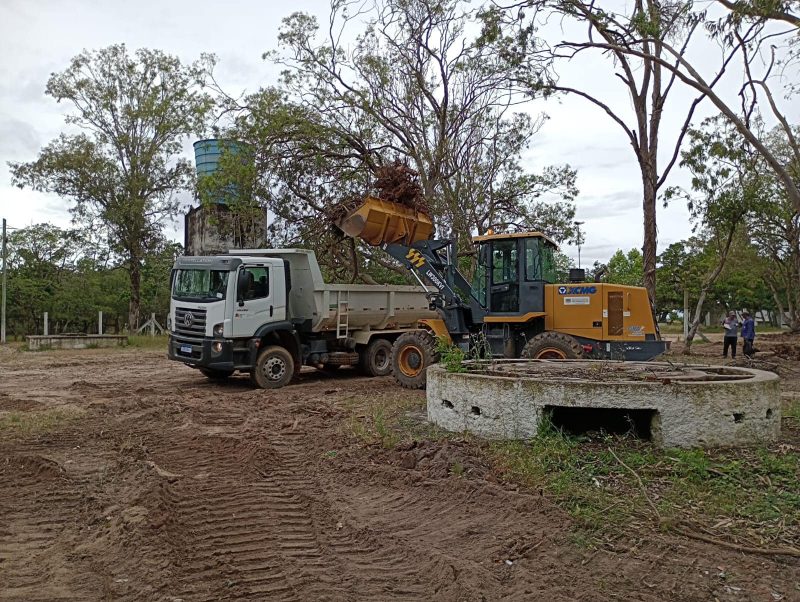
(160, 485)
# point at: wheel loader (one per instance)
(513, 307)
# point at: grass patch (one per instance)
(752, 494)
(390, 419)
(792, 410)
(381, 422)
(25, 424)
(144, 341)
(747, 495)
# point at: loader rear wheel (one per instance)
(376, 359)
(274, 368)
(412, 353)
(552, 346)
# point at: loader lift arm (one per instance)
(433, 260)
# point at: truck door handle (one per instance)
(270, 311)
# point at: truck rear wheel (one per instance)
(215, 374)
(274, 368)
(552, 346)
(376, 360)
(412, 353)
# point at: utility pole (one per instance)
(5, 282)
(580, 240)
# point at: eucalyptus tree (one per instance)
(644, 43)
(122, 171)
(775, 229)
(726, 192)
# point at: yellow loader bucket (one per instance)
(377, 222)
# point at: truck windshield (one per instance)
(200, 285)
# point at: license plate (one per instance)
(186, 348)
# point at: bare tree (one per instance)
(415, 86)
(645, 45)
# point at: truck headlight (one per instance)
(218, 328)
(216, 347)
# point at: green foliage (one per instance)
(450, 356)
(123, 169)
(626, 268)
(562, 264)
(694, 486)
(53, 270)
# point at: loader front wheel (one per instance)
(552, 346)
(412, 353)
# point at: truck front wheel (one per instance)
(274, 368)
(376, 359)
(412, 353)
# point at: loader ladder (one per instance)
(343, 315)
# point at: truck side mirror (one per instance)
(242, 284)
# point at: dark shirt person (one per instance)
(731, 327)
(748, 334)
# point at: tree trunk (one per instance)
(135, 272)
(794, 315)
(707, 284)
(698, 317)
(649, 248)
(778, 302)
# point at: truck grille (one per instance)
(190, 322)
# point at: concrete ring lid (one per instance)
(678, 405)
(611, 371)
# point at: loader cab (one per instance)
(511, 272)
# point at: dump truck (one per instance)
(268, 312)
(513, 307)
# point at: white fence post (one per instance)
(45, 330)
(100, 322)
(152, 325)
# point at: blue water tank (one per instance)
(207, 154)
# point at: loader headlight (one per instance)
(218, 328)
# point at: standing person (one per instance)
(748, 334)
(731, 326)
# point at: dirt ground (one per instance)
(131, 477)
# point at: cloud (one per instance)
(613, 204)
(17, 137)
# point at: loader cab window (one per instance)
(504, 261)
(481, 276)
(539, 260)
(505, 276)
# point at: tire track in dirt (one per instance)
(365, 567)
(242, 535)
(34, 525)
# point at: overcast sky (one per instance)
(40, 37)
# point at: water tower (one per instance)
(227, 220)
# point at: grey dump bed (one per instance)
(352, 306)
